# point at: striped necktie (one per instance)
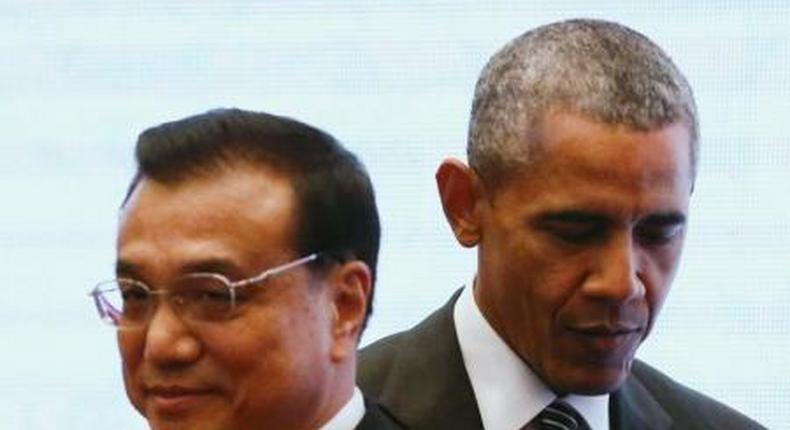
(558, 416)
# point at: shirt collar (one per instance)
(349, 415)
(508, 392)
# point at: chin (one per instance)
(169, 424)
(591, 381)
(188, 422)
(598, 386)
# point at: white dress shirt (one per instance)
(508, 393)
(348, 417)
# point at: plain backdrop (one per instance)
(393, 80)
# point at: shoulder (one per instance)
(419, 376)
(377, 418)
(685, 405)
(411, 352)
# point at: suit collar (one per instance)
(432, 354)
(632, 406)
(349, 415)
(377, 418)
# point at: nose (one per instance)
(616, 276)
(169, 341)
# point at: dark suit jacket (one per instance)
(419, 376)
(377, 418)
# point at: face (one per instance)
(269, 365)
(577, 252)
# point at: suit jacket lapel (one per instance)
(376, 418)
(633, 407)
(434, 376)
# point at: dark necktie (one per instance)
(558, 416)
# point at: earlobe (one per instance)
(460, 190)
(351, 286)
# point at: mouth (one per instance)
(606, 339)
(175, 399)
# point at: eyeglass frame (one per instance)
(102, 305)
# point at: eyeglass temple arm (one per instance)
(102, 305)
(277, 270)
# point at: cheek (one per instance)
(270, 347)
(546, 279)
(245, 349)
(535, 287)
(532, 276)
(274, 368)
(661, 271)
(249, 364)
(131, 347)
(656, 293)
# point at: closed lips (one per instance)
(605, 330)
(175, 391)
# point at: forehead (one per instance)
(239, 215)
(584, 160)
(659, 152)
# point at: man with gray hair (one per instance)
(582, 158)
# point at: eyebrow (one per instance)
(572, 216)
(223, 266)
(125, 269)
(212, 265)
(665, 218)
(580, 216)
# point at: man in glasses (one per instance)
(582, 157)
(246, 260)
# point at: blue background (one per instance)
(393, 80)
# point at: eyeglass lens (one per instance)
(129, 303)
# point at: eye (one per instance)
(130, 300)
(658, 234)
(204, 289)
(575, 232)
(574, 227)
(204, 296)
(132, 293)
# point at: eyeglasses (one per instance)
(128, 303)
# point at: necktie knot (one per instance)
(560, 416)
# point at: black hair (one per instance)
(335, 203)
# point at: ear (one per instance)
(350, 286)
(460, 190)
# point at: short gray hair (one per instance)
(599, 69)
